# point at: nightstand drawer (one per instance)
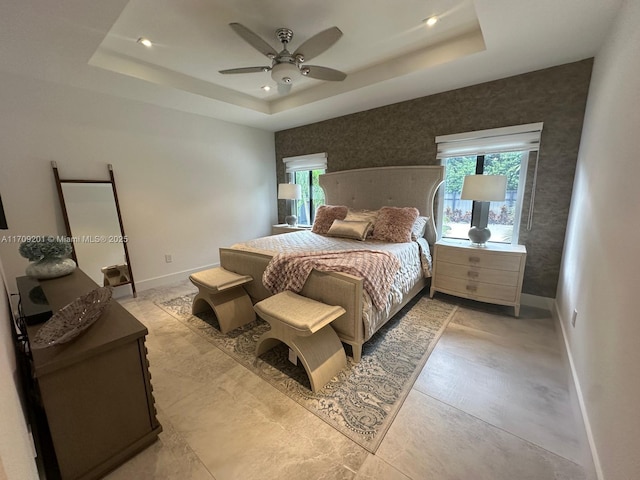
(478, 258)
(476, 290)
(484, 275)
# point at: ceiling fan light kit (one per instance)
(284, 72)
(287, 67)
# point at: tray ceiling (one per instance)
(386, 50)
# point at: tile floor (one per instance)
(491, 403)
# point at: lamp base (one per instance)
(479, 236)
(291, 220)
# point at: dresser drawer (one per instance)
(475, 290)
(478, 258)
(484, 275)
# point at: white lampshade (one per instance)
(284, 73)
(484, 188)
(289, 191)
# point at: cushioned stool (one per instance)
(304, 326)
(222, 290)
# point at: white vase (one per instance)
(51, 267)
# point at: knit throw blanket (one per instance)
(289, 271)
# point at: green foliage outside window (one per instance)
(494, 164)
(505, 164)
(457, 212)
(457, 169)
(312, 195)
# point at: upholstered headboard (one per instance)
(373, 188)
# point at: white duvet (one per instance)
(415, 261)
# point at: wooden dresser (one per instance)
(93, 395)
(490, 274)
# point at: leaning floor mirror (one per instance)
(93, 221)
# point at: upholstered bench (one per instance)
(304, 326)
(222, 290)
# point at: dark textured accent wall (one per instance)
(404, 134)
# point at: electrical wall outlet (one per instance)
(167, 258)
(574, 317)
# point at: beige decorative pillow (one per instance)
(355, 215)
(325, 215)
(419, 227)
(349, 229)
(394, 224)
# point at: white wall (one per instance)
(187, 184)
(16, 452)
(600, 273)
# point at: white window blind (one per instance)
(519, 138)
(314, 161)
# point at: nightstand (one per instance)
(284, 228)
(492, 273)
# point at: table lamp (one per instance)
(290, 191)
(482, 189)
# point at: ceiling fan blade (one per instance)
(254, 40)
(284, 88)
(324, 73)
(245, 70)
(318, 43)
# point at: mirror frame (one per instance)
(67, 225)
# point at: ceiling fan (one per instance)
(286, 67)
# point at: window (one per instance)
(305, 170)
(502, 151)
(504, 217)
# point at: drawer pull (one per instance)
(472, 274)
(472, 288)
(474, 259)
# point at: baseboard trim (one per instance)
(170, 278)
(577, 390)
(537, 302)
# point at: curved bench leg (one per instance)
(321, 353)
(233, 308)
(200, 304)
(266, 342)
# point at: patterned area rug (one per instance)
(362, 401)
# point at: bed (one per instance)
(363, 189)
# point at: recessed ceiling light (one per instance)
(145, 41)
(266, 88)
(431, 21)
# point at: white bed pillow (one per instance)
(419, 227)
